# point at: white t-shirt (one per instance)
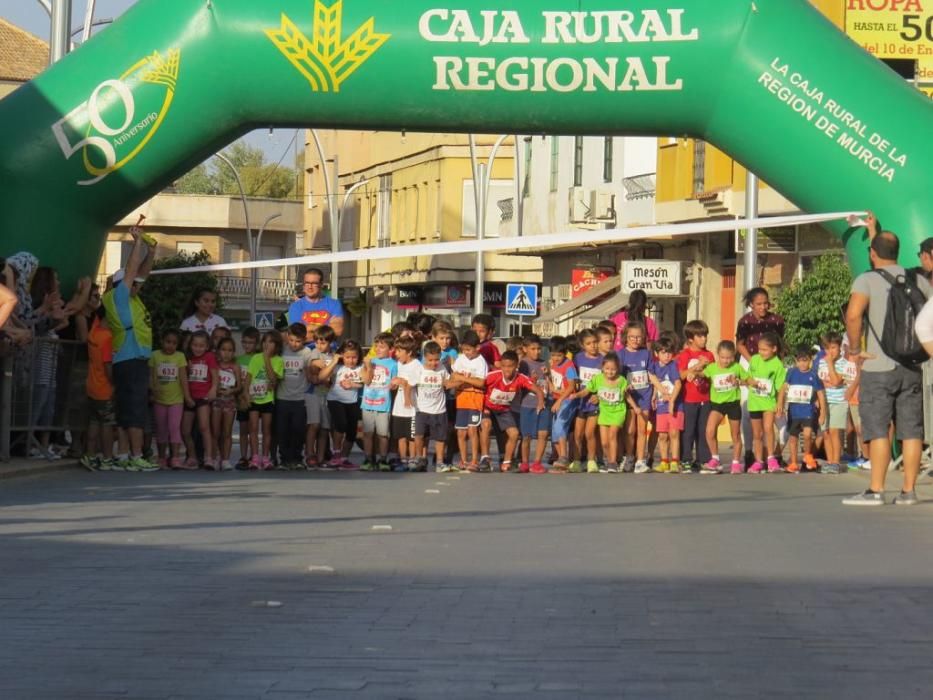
(193, 323)
(410, 373)
(431, 396)
(475, 368)
(924, 325)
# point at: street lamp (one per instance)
(482, 173)
(255, 248)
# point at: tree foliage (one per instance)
(813, 306)
(260, 179)
(167, 296)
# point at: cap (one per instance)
(118, 276)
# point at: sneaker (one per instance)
(215, 463)
(641, 467)
(906, 498)
(830, 469)
(537, 468)
(282, 467)
(163, 463)
(674, 467)
(384, 465)
(471, 468)
(347, 466)
(575, 467)
(226, 466)
(89, 463)
(756, 468)
(524, 468)
(108, 465)
(711, 467)
(613, 468)
(255, 463)
(686, 468)
(330, 466)
(242, 465)
(792, 468)
(368, 465)
(266, 463)
(865, 498)
(559, 467)
(737, 468)
(485, 464)
(445, 468)
(592, 467)
(810, 462)
(141, 464)
(865, 465)
(628, 466)
(663, 467)
(773, 465)
(191, 463)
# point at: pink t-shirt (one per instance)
(199, 375)
(621, 321)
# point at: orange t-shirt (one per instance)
(100, 352)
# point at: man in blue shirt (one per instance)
(314, 309)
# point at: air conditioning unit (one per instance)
(602, 205)
(578, 205)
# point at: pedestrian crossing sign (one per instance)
(265, 321)
(521, 300)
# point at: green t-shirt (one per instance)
(243, 363)
(769, 376)
(261, 390)
(166, 371)
(612, 406)
(725, 382)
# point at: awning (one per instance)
(573, 307)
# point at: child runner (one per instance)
(429, 395)
(403, 409)
(345, 372)
(265, 371)
(610, 389)
(317, 438)
(799, 397)
(589, 363)
(485, 328)
(636, 361)
(291, 416)
(224, 406)
(202, 388)
(766, 375)
(169, 386)
(838, 374)
(378, 373)
(726, 378)
(692, 362)
(249, 342)
(469, 384)
(665, 377)
(563, 385)
(535, 425)
(502, 385)
(102, 416)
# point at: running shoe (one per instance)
(906, 498)
(311, 464)
(663, 467)
(773, 465)
(830, 468)
(368, 465)
(641, 467)
(505, 467)
(686, 468)
(524, 468)
(347, 466)
(470, 468)
(559, 467)
(141, 464)
(485, 464)
(445, 468)
(384, 465)
(592, 467)
(756, 468)
(226, 466)
(793, 468)
(162, 462)
(537, 468)
(191, 463)
(613, 468)
(737, 468)
(255, 463)
(109, 465)
(674, 467)
(711, 467)
(865, 498)
(242, 465)
(178, 463)
(575, 467)
(809, 461)
(89, 463)
(267, 463)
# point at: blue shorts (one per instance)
(467, 418)
(561, 426)
(533, 422)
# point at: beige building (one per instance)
(418, 188)
(22, 57)
(216, 224)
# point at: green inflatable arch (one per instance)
(771, 82)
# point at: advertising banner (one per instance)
(892, 28)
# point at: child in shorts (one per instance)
(379, 371)
(469, 384)
(102, 418)
(404, 409)
(265, 371)
(249, 342)
(838, 374)
(665, 377)
(589, 363)
(428, 392)
(502, 386)
(766, 375)
(535, 425)
(610, 389)
(317, 438)
(692, 361)
(726, 378)
(202, 389)
(562, 386)
(800, 397)
(223, 409)
(635, 361)
(290, 412)
(345, 373)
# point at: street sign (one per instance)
(264, 321)
(657, 278)
(521, 300)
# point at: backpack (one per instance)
(898, 338)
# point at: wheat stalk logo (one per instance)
(163, 71)
(324, 60)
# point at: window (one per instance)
(190, 247)
(607, 159)
(384, 211)
(699, 166)
(272, 252)
(577, 161)
(234, 253)
(498, 190)
(555, 157)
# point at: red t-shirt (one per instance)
(490, 353)
(199, 375)
(696, 391)
(501, 392)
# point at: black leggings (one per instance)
(696, 415)
(344, 418)
(290, 427)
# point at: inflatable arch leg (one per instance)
(771, 82)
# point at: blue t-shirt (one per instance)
(377, 395)
(801, 394)
(635, 364)
(448, 357)
(314, 314)
(587, 368)
(668, 374)
(131, 348)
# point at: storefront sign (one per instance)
(584, 278)
(409, 297)
(891, 28)
(658, 278)
(457, 295)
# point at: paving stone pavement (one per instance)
(277, 586)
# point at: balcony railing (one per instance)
(233, 287)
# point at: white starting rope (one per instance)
(546, 240)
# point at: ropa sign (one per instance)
(659, 278)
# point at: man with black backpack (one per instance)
(883, 309)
